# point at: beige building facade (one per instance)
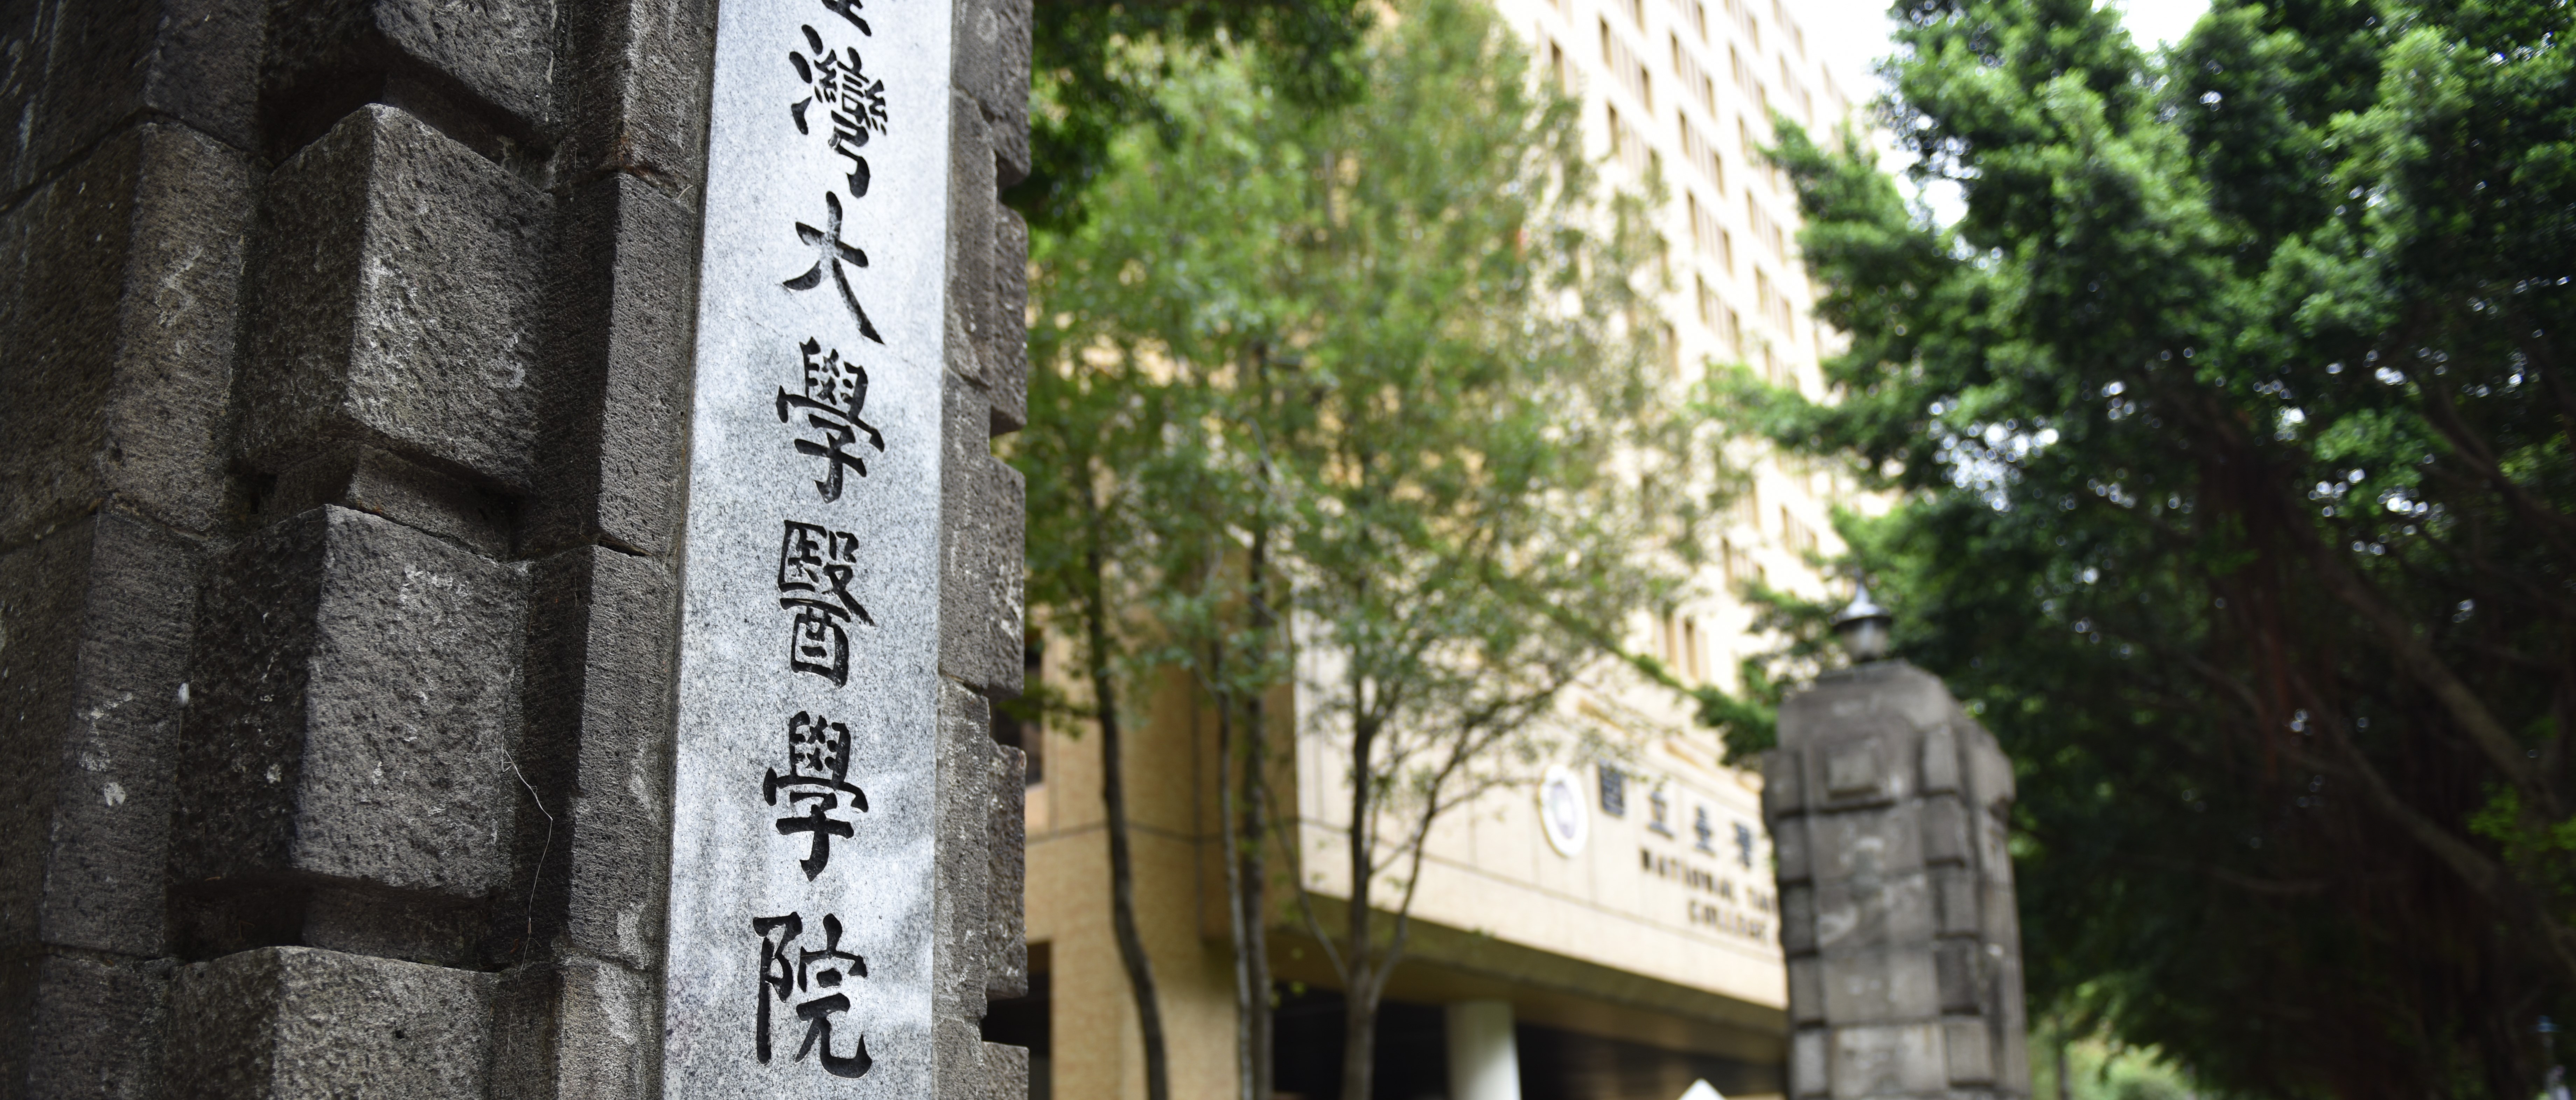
(1604, 930)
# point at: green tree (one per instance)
(1097, 67)
(1378, 369)
(2232, 437)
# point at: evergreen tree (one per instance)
(2233, 442)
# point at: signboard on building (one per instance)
(800, 907)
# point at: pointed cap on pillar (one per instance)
(1863, 628)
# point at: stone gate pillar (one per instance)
(349, 351)
(1886, 804)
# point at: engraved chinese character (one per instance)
(835, 392)
(1744, 844)
(849, 9)
(818, 771)
(1705, 829)
(785, 976)
(814, 570)
(855, 103)
(830, 251)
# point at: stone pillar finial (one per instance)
(1863, 627)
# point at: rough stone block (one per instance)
(1856, 912)
(1006, 974)
(191, 60)
(1783, 783)
(73, 1027)
(1809, 1060)
(1789, 850)
(1806, 991)
(1955, 892)
(602, 626)
(1882, 695)
(354, 711)
(1954, 970)
(958, 1052)
(118, 282)
(1969, 1049)
(399, 303)
(992, 67)
(1006, 1072)
(1945, 831)
(972, 210)
(1880, 986)
(620, 404)
(1871, 843)
(960, 920)
(1797, 919)
(491, 53)
(378, 482)
(639, 108)
(289, 1023)
(578, 1029)
(1006, 334)
(1940, 760)
(94, 635)
(982, 636)
(1888, 1060)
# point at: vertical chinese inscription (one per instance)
(800, 895)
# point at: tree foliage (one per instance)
(1377, 372)
(2233, 440)
(1097, 67)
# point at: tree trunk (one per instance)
(1359, 1007)
(1252, 894)
(1122, 867)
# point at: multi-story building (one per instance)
(1613, 937)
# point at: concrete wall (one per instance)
(344, 376)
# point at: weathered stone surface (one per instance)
(189, 60)
(621, 393)
(981, 595)
(288, 1023)
(992, 68)
(961, 919)
(1006, 1072)
(1006, 966)
(76, 1027)
(94, 635)
(1887, 806)
(1887, 1060)
(1880, 986)
(399, 303)
(596, 703)
(1859, 913)
(1810, 1059)
(1006, 332)
(368, 479)
(498, 53)
(117, 288)
(639, 106)
(354, 710)
(578, 1029)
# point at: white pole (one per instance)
(1484, 1063)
